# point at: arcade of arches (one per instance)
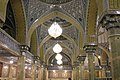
(90, 40)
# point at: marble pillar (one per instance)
(112, 24)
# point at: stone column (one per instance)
(112, 24)
(39, 73)
(42, 72)
(35, 69)
(81, 71)
(21, 68)
(46, 73)
(10, 72)
(91, 66)
(21, 62)
(75, 77)
(81, 60)
(77, 73)
(74, 73)
(90, 50)
(34, 74)
(76, 70)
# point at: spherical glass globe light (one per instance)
(59, 62)
(57, 48)
(58, 57)
(55, 30)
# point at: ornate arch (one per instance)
(106, 51)
(48, 37)
(49, 49)
(56, 14)
(3, 6)
(34, 43)
(91, 22)
(20, 20)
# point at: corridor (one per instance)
(59, 39)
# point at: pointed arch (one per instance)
(20, 19)
(3, 6)
(106, 51)
(49, 37)
(56, 14)
(34, 43)
(50, 48)
(91, 22)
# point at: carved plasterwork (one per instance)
(35, 9)
(55, 1)
(64, 43)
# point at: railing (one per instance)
(8, 42)
(6, 78)
(59, 68)
(106, 78)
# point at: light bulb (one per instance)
(29, 68)
(54, 71)
(11, 62)
(26, 67)
(99, 57)
(5, 67)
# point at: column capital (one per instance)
(36, 59)
(110, 21)
(81, 58)
(25, 51)
(24, 48)
(76, 63)
(89, 48)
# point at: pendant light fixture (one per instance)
(55, 30)
(58, 57)
(59, 62)
(57, 48)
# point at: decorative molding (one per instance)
(9, 42)
(24, 48)
(81, 59)
(90, 49)
(55, 2)
(110, 21)
(36, 9)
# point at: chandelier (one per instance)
(58, 56)
(55, 30)
(57, 48)
(59, 62)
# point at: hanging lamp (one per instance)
(59, 62)
(58, 57)
(55, 30)
(57, 48)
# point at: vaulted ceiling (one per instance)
(36, 8)
(70, 38)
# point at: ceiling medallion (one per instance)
(55, 1)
